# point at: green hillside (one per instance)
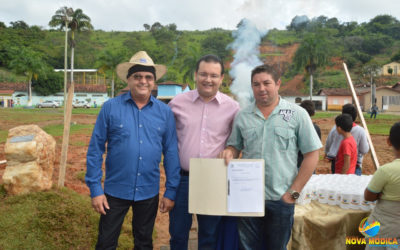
(374, 42)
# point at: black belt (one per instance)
(184, 172)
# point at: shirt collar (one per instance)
(128, 97)
(257, 111)
(217, 97)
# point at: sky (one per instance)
(130, 15)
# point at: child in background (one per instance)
(310, 108)
(346, 158)
(385, 187)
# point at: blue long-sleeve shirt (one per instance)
(135, 140)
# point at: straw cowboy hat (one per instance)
(141, 58)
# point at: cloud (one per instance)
(129, 15)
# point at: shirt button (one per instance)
(138, 174)
(140, 157)
(203, 129)
(202, 141)
(140, 125)
(137, 189)
(140, 141)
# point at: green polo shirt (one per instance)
(277, 140)
(386, 180)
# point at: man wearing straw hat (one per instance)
(137, 128)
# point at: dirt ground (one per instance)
(76, 163)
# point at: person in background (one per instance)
(334, 138)
(137, 128)
(374, 111)
(384, 187)
(274, 130)
(346, 158)
(204, 119)
(309, 106)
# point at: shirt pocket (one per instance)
(157, 129)
(285, 138)
(252, 140)
(118, 131)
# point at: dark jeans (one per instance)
(373, 113)
(358, 168)
(269, 232)
(180, 222)
(144, 215)
(333, 162)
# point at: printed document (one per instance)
(245, 186)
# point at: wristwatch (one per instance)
(295, 195)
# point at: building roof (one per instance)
(169, 83)
(13, 86)
(77, 70)
(91, 88)
(336, 92)
(382, 87)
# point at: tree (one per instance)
(49, 83)
(217, 43)
(25, 60)
(396, 57)
(2, 25)
(79, 22)
(312, 53)
(19, 25)
(146, 27)
(390, 71)
(189, 65)
(108, 61)
(299, 23)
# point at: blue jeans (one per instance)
(269, 232)
(358, 170)
(180, 222)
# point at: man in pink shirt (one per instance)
(204, 119)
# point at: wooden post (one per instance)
(65, 141)
(360, 114)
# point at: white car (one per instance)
(80, 104)
(48, 104)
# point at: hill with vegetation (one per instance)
(364, 47)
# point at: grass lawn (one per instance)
(54, 219)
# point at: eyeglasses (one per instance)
(139, 77)
(204, 75)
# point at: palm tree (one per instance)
(311, 54)
(109, 60)
(79, 22)
(189, 65)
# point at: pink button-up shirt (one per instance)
(202, 127)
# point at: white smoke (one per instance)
(246, 49)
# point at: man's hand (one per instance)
(99, 204)
(228, 154)
(286, 197)
(166, 205)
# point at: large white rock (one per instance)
(30, 154)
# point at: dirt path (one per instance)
(76, 165)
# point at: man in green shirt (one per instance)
(274, 130)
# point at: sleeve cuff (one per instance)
(170, 194)
(375, 192)
(96, 190)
